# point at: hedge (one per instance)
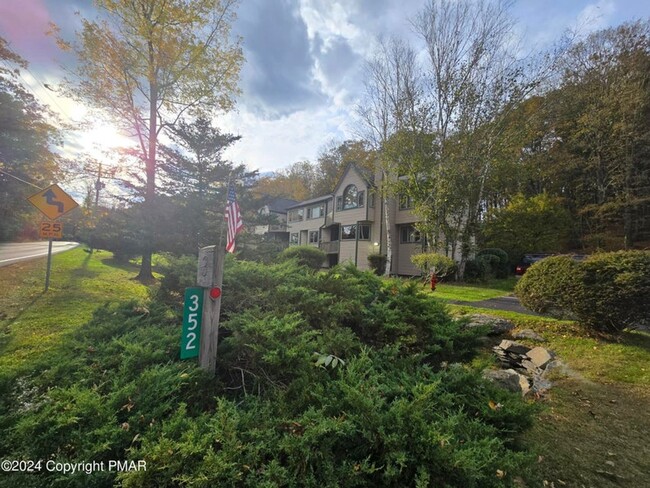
(607, 291)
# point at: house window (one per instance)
(348, 232)
(350, 195)
(313, 236)
(352, 198)
(409, 234)
(371, 200)
(364, 232)
(405, 202)
(293, 239)
(316, 212)
(295, 215)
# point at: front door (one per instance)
(334, 232)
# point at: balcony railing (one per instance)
(331, 247)
(278, 228)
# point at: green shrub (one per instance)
(613, 290)
(502, 269)
(377, 263)
(607, 291)
(492, 265)
(431, 262)
(389, 414)
(309, 256)
(476, 270)
(179, 272)
(549, 286)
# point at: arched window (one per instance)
(350, 197)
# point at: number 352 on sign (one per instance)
(192, 312)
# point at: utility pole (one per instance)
(98, 185)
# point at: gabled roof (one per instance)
(365, 175)
(279, 204)
(311, 200)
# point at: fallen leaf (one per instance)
(494, 406)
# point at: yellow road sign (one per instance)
(53, 202)
(51, 230)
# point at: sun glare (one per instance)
(104, 136)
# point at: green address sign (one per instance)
(192, 312)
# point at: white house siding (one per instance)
(404, 253)
(365, 249)
(352, 215)
(304, 226)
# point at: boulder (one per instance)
(513, 347)
(539, 356)
(497, 326)
(528, 334)
(508, 379)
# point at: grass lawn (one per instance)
(474, 292)
(32, 321)
(593, 431)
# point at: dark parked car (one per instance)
(529, 259)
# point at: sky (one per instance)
(303, 75)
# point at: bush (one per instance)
(476, 270)
(179, 272)
(385, 413)
(502, 268)
(309, 256)
(607, 291)
(377, 263)
(431, 262)
(613, 290)
(549, 286)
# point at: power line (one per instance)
(28, 86)
(19, 179)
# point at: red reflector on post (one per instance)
(215, 293)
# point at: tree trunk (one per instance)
(145, 275)
(389, 238)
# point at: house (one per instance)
(349, 224)
(275, 211)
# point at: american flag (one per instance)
(233, 219)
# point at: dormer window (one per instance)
(351, 198)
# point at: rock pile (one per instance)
(525, 368)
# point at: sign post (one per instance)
(210, 277)
(52, 202)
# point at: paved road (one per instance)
(508, 303)
(14, 252)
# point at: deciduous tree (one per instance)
(27, 139)
(147, 63)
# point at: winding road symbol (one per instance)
(50, 198)
(53, 202)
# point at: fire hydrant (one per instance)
(434, 281)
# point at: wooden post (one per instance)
(211, 305)
(211, 311)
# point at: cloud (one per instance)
(595, 16)
(273, 144)
(278, 76)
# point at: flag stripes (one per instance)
(233, 219)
